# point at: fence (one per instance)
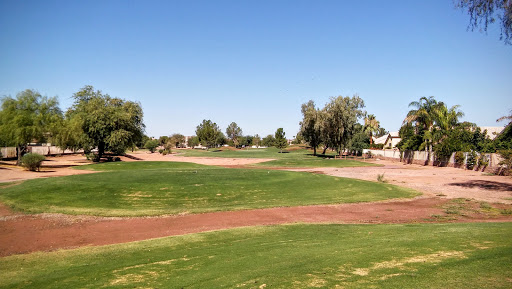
(424, 158)
(10, 152)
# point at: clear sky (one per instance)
(255, 62)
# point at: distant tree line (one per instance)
(95, 121)
(336, 125)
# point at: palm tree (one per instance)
(371, 126)
(509, 117)
(424, 116)
(445, 120)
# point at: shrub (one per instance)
(161, 151)
(93, 157)
(506, 162)
(471, 160)
(380, 178)
(482, 161)
(459, 158)
(151, 145)
(117, 159)
(32, 161)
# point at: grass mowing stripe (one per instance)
(158, 188)
(474, 255)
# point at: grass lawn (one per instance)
(477, 255)
(157, 188)
(296, 157)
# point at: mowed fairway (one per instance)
(157, 188)
(297, 157)
(286, 256)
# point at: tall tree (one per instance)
(342, 115)
(485, 12)
(208, 133)
(310, 126)
(280, 141)
(26, 118)
(106, 123)
(371, 126)
(423, 117)
(256, 140)
(177, 140)
(233, 132)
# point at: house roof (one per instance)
(381, 140)
(492, 131)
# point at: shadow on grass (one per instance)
(485, 185)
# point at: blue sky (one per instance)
(255, 62)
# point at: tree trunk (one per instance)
(325, 149)
(101, 150)
(314, 150)
(371, 139)
(18, 155)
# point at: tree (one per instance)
(342, 114)
(310, 126)
(208, 133)
(151, 145)
(106, 123)
(359, 142)
(485, 12)
(280, 141)
(26, 118)
(193, 141)
(256, 140)
(233, 132)
(177, 140)
(268, 141)
(371, 126)
(163, 140)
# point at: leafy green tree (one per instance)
(311, 125)
(193, 141)
(342, 115)
(208, 133)
(26, 118)
(163, 140)
(233, 132)
(280, 141)
(151, 145)
(268, 141)
(256, 140)
(177, 140)
(107, 123)
(485, 12)
(359, 142)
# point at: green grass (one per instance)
(290, 256)
(292, 158)
(157, 188)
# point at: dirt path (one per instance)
(20, 233)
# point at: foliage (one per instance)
(341, 115)
(280, 141)
(371, 126)
(483, 161)
(32, 161)
(208, 133)
(471, 160)
(193, 141)
(234, 132)
(26, 118)
(455, 255)
(102, 122)
(311, 125)
(380, 178)
(256, 140)
(160, 188)
(151, 145)
(268, 141)
(163, 140)
(459, 158)
(485, 12)
(506, 162)
(359, 141)
(176, 140)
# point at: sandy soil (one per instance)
(21, 233)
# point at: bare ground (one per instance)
(21, 233)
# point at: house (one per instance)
(392, 139)
(492, 131)
(380, 140)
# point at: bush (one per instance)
(459, 159)
(482, 161)
(471, 161)
(117, 159)
(93, 157)
(151, 145)
(506, 162)
(32, 161)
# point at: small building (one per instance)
(392, 139)
(492, 131)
